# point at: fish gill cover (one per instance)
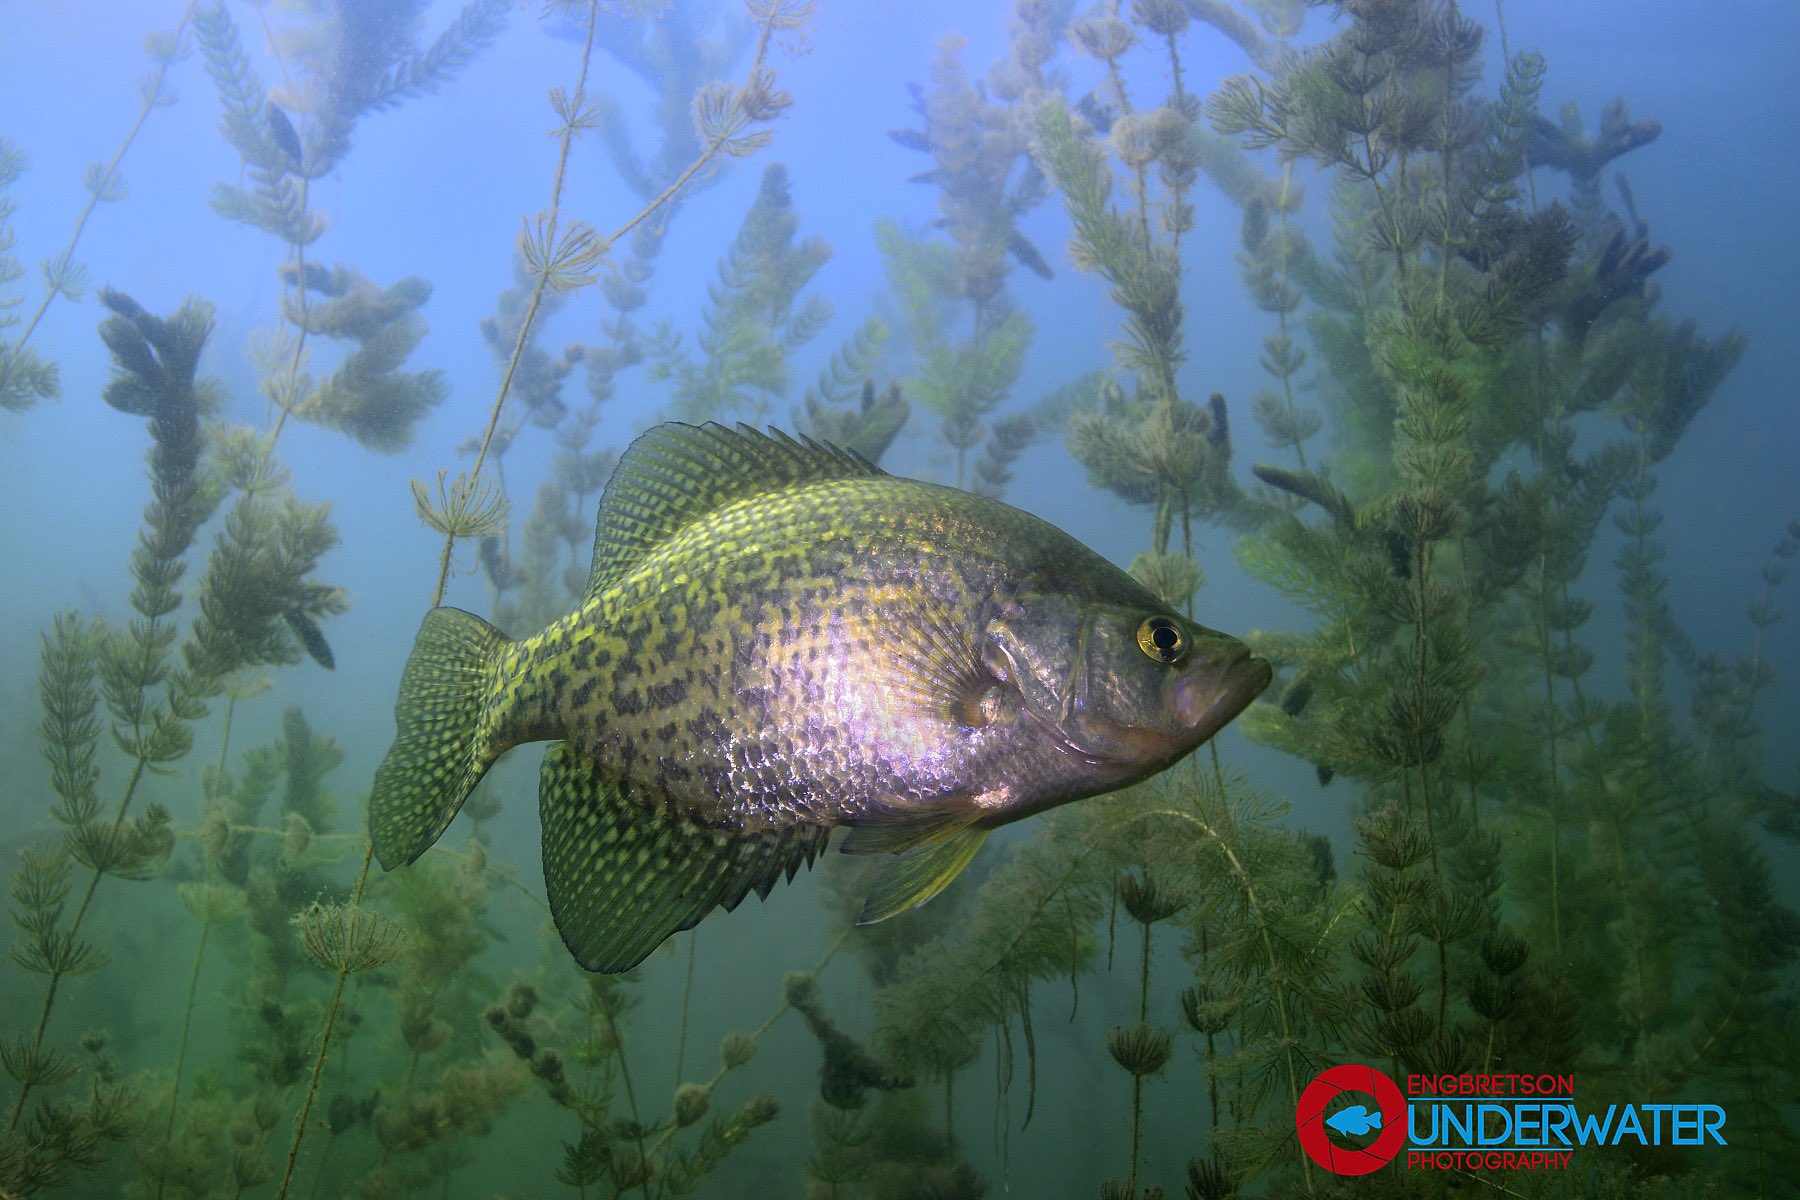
(1339, 328)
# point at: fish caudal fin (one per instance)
(622, 873)
(442, 747)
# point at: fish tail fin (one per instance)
(1375, 1120)
(445, 738)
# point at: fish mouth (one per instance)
(1206, 703)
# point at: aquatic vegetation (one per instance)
(624, 1150)
(25, 378)
(968, 334)
(368, 396)
(339, 62)
(849, 1072)
(755, 318)
(1156, 446)
(674, 53)
(1565, 813)
(211, 904)
(1142, 1049)
(862, 419)
(960, 379)
(564, 258)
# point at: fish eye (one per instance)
(1161, 638)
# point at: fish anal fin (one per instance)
(675, 474)
(624, 872)
(907, 880)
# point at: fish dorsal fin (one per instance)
(675, 474)
(623, 872)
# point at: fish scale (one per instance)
(779, 639)
(770, 657)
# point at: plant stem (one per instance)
(331, 1016)
(291, 387)
(225, 737)
(687, 992)
(1137, 1081)
(565, 139)
(187, 1024)
(87, 897)
(1262, 928)
(631, 1099)
(950, 1109)
(1555, 779)
(567, 136)
(152, 93)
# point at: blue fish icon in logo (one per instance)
(1354, 1120)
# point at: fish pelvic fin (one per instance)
(622, 872)
(910, 879)
(444, 742)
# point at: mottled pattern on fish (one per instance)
(779, 639)
(751, 681)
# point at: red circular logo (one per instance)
(1316, 1130)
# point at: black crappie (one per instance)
(779, 638)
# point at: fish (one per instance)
(779, 639)
(1354, 1121)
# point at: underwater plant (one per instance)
(367, 396)
(563, 256)
(755, 318)
(1466, 325)
(254, 605)
(625, 1151)
(339, 63)
(1569, 824)
(1463, 326)
(25, 377)
(967, 333)
(1155, 447)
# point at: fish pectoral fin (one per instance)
(910, 879)
(623, 872)
(931, 665)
